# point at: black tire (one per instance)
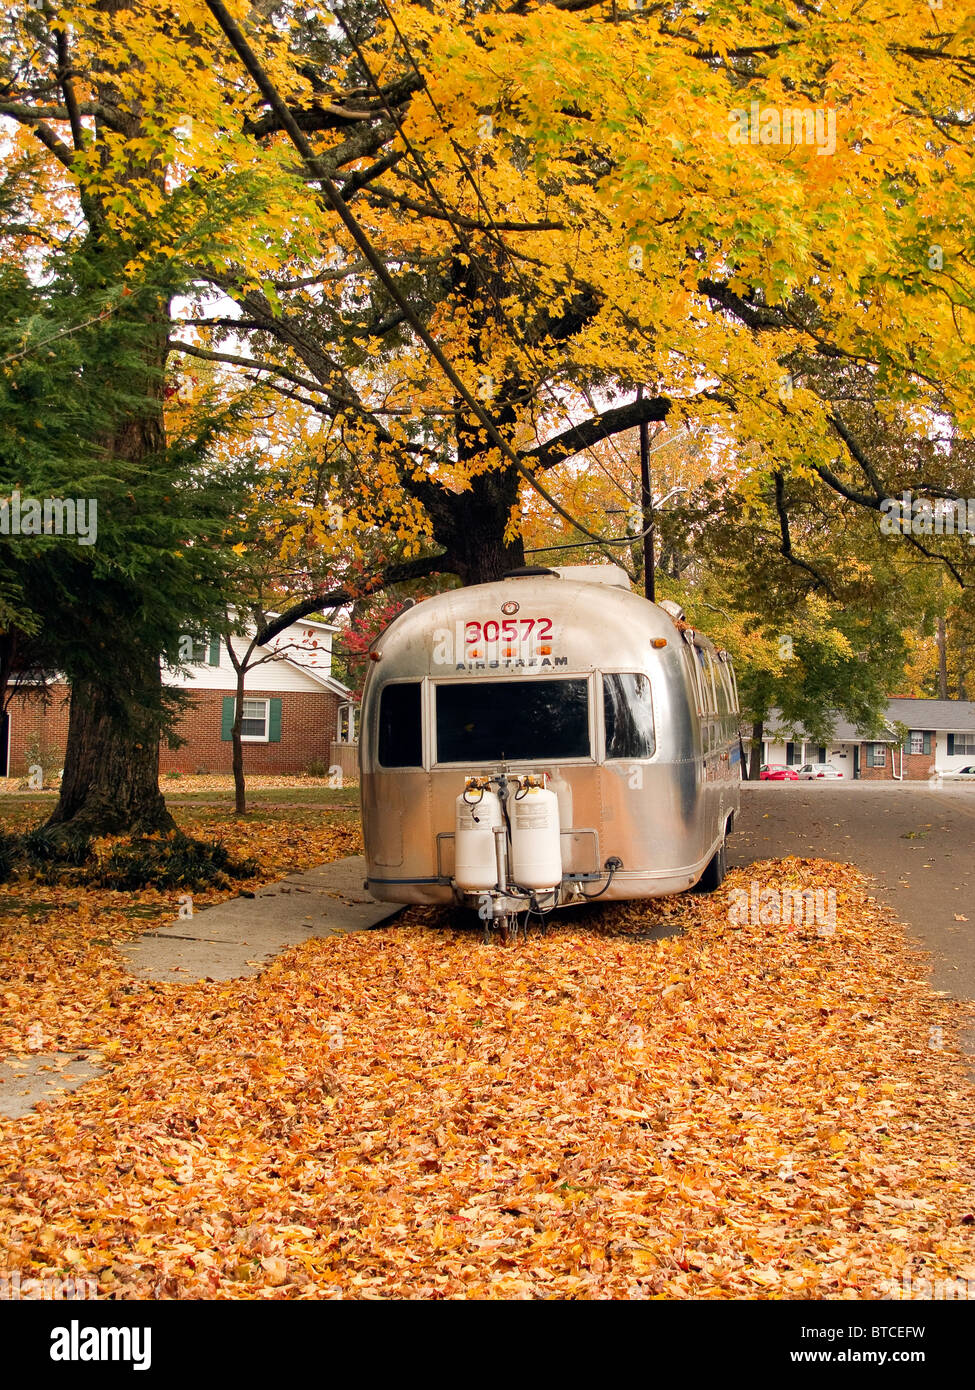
(717, 867)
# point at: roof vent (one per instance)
(596, 574)
(674, 609)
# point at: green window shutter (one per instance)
(927, 743)
(227, 718)
(214, 658)
(274, 721)
(951, 745)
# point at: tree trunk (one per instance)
(240, 791)
(471, 525)
(942, 641)
(111, 767)
(755, 754)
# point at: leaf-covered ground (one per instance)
(58, 966)
(724, 1111)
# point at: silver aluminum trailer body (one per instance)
(634, 721)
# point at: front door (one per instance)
(856, 761)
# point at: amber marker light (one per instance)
(659, 642)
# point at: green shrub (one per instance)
(10, 854)
(173, 861)
(49, 759)
(56, 847)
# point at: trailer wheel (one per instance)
(717, 867)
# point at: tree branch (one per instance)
(386, 197)
(62, 152)
(254, 365)
(579, 437)
(786, 546)
(338, 598)
(334, 114)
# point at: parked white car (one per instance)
(961, 774)
(809, 771)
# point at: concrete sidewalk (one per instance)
(241, 936)
(41, 1076)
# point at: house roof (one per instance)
(309, 622)
(953, 716)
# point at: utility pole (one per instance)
(646, 505)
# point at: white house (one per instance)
(940, 738)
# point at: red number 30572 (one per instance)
(508, 630)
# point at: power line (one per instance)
(492, 226)
(64, 333)
(267, 89)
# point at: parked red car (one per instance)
(777, 772)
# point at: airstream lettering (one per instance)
(569, 741)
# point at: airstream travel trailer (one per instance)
(544, 740)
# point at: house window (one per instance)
(253, 723)
(260, 720)
(917, 741)
(962, 744)
(876, 755)
(793, 754)
(206, 651)
(346, 731)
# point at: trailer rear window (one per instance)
(628, 712)
(512, 721)
(400, 727)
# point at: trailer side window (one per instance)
(400, 726)
(488, 721)
(628, 713)
(706, 672)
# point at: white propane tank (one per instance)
(536, 854)
(477, 812)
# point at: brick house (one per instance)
(294, 710)
(940, 738)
